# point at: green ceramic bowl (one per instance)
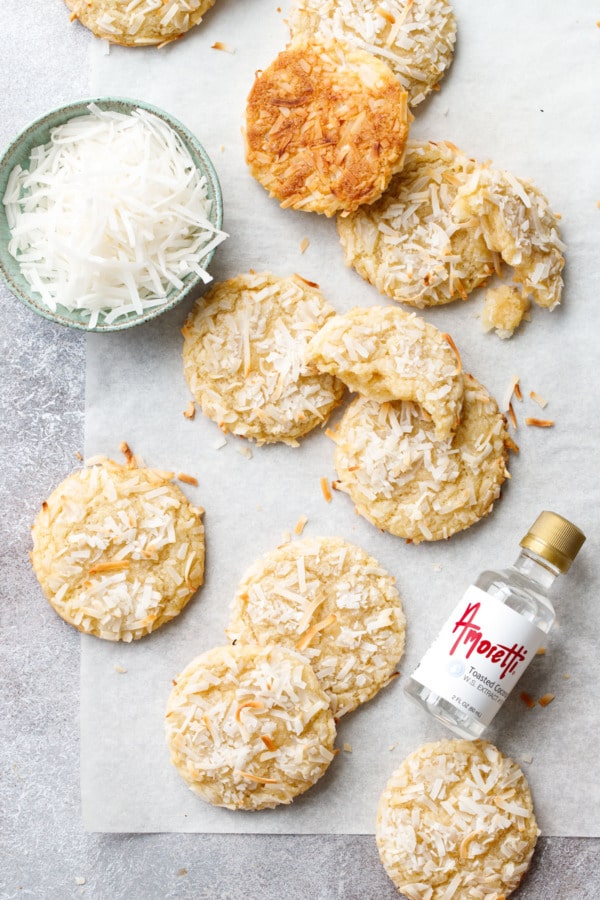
(39, 133)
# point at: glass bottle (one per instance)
(495, 631)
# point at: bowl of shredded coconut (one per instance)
(111, 213)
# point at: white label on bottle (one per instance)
(479, 655)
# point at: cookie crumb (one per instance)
(526, 757)
(78, 456)
(504, 309)
(541, 651)
(347, 748)
(182, 872)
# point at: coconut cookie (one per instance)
(410, 244)
(333, 603)
(405, 480)
(249, 727)
(243, 356)
(518, 223)
(387, 354)
(326, 126)
(414, 37)
(118, 551)
(139, 23)
(456, 820)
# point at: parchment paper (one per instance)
(523, 92)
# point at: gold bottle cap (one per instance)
(555, 539)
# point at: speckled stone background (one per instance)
(44, 852)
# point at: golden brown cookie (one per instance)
(118, 551)
(243, 355)
(414, 37)
(405, 480)
(139, 23)
(456, 821)
(410, 244)
(333, 603)
(249, 727)
(387, 354)
(326, 126)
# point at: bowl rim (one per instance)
(26, 138)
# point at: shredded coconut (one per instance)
(112, 217)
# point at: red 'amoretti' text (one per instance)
(470, 635)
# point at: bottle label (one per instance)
(479, 655)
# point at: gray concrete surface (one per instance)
(44, 852)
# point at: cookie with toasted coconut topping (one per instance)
(407, 481)
(326, 126)
(249, 727)
(333, 603)
(456, 822)
(387, 354)
(414, 37)
(410, 244)
(139, 23)
(518, 223)
(118, 550)
(243, 354)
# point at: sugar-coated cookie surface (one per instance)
(405, 480)
(249, 727)
(456, 822)
(518, 223)
(243, 355)
(414, 37)
(332, 602)
(387, 354)
(326, 126)
(141, 23)
(118, 551)
(410, 244)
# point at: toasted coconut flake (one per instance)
(546, 699)
(540, 423)
(304, 243)
(518, 393)
(325, 489)
(219, 45)
(541, 651)
(307, 637)
(463, 850)
(187, 479)
(512, 416)
(347, 748)
(250, 704)
(299, 526)
(537, 398)
(128, 454)
(190, 410)
(268, 742)
(114, 565)
(259, 779)
(120, 669)
(527, 699)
